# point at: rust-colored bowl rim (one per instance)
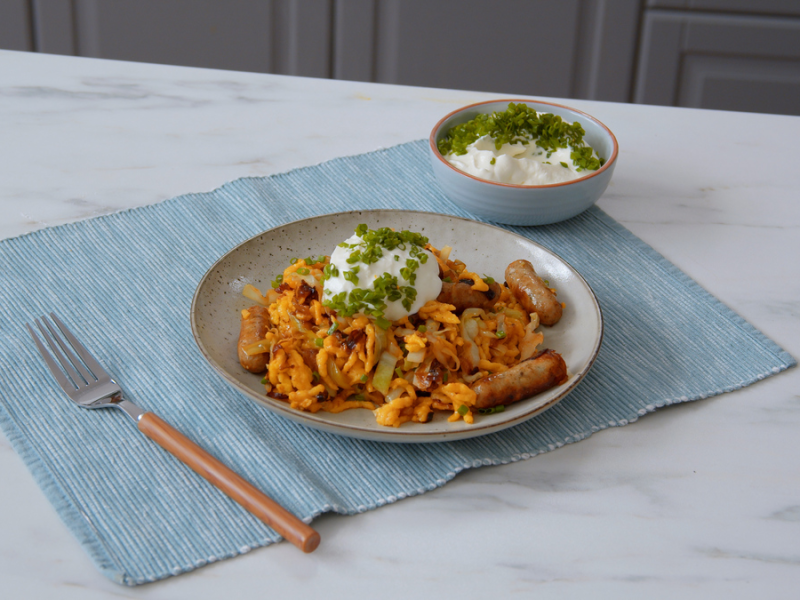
(437, 154)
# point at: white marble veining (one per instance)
(695, 501)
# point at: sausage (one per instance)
(462, 296)
(253, 329)
(529, 289)
(530, 377)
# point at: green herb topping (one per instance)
(521, 124)
(386, 288)
(494, 409)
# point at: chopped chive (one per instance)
(303, 271)
(319, 342)
(333, 327)
(422, 329)
(462, 410)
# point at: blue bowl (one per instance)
(525, 204)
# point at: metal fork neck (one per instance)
(133, 411)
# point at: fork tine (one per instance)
(95, 367)
(63, 350)
(66, 359)
(66, 384)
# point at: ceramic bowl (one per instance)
(524, 204)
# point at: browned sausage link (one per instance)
(462, 296)
(530, 377)
(532, 293)
(253, 329)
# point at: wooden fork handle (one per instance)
(205, 465)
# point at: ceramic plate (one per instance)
(217, 303)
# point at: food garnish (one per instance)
(520, 124)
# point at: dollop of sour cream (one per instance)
(404, 265)
(519, 164)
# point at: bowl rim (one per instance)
(438, 155)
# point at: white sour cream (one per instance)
(519, 164)
(427, 284)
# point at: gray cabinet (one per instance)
(724, 54)
(568, 48)
(577, 48)
(15, 25)
(736, 61)
(245, 35)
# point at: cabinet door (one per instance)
(15, 25)
(571, 48)
(268, 36)
(506, 46)
(726, 62)
(755, 7)
(207, 33)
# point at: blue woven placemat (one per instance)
(125, 281)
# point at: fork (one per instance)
(89, 385)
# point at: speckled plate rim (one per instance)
(352, 423)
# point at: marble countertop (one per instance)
(698, 500)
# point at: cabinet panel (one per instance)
(659, 59)
(506, 46)
(15, 25)
(764, 37)
(754, 7)
(756, 61)
(354, 40)
(739, 83)
(201, 33)
(301, 37)
(606, 47)
(573, 48)
(54, 24)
